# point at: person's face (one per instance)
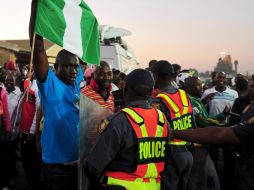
(221, 80)
(121, 84)
(9, 83)
(24, 71)
(197, 88)
(68, 69)
(251, 87)
(103, 77)
(238, 76)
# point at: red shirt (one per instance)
(95, 96)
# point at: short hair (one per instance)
(241, 84)
(151, 63)
(163, 69)
(176, 67)
(221, 73)
(102, 64)
(62, 55)
(190, 81)
(116, 71)
(122, 75)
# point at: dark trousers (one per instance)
(31, 161)
(8, 169)
(214, 154)
(244, 173)
(3, 176)
(177, 170)
(203, 173)
(60, 177)
(229, 167)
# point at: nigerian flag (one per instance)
(71, 25)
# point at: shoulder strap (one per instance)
(184, 98)
(134, 116)
(185, 102)
(169, 102)
(139, 120)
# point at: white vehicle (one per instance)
(115, 51)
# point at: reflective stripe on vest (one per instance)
(174, 106)
(150, 148)
(185, 122)
(134, 185)
(151, 170)
(171, 103)
(137, 119)
(185, 102)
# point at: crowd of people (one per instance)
(139, 144)
(163, 127)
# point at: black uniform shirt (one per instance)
(116, 148)
(245, 130)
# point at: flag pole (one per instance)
(30, 66)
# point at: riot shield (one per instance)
(91, 116)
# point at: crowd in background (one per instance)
(22, 119)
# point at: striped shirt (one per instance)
(220, 100)
(95, 96)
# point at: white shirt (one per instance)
(114, 87)
(220, 100)
(13, 100)
(34, 87)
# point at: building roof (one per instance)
(21, 45)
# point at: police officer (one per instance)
(178, 110)
(131, 149)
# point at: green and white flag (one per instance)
(71, 25)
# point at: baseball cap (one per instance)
(88, 72)
(10, 65)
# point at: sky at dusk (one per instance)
(191, 33)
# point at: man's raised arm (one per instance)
(40, 61)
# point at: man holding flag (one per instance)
(70, 24)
